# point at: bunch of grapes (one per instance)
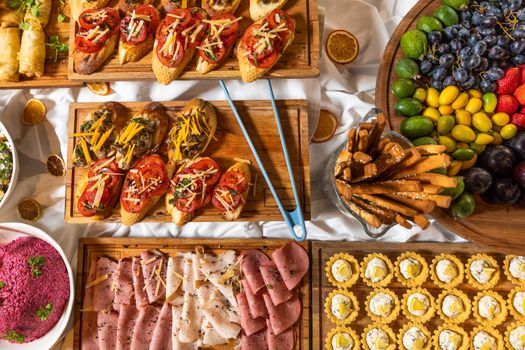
(474, 53)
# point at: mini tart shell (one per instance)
(493, 332)
(506, 270)
(507, 333)
(455, 328)
(395, 308)
(456, 281)
(510, 304)
(462, 317)
(388, 331)
(496, 321)
(334, 331)
(431, 309)
(328, 308)
(419, 279)
(423, 329)
(353, 264)
(495, 277)
(389, 275)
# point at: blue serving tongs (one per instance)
(292, 218)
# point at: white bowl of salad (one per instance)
(8, 165)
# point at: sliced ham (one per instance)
(107, 330)
(217, 314)
(257, 341)
(255, 301)
(103, 292)
(275, 284)
(251, 260)
(141, 298)
(214, 267)
(174, 276)
(144, 326)
(123, 284)
(249, 325)
(283, 341)
(89, 331)
(292, 261)
(191, 316)
(154, 266)
(125, 325)
(284, 315)
(161, 339)
(87, 305)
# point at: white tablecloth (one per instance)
(347, 92)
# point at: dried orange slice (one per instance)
(34, 112)
(342, 47)
(99, 88)
(55, 165)
(325, 127)
(29, 209)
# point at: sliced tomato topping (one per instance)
(265, 61)
(207, 165)
(198, 15)
(180, 15)
(188, 193)
(152, 13)
(87, 46)
(167, 59)
(235, 178)
(135, 37)
(111, 169)
(86, 201)
(276, 18)
(107, 16)
(155, 176)
(228, 30)
(228, 40)
(216, 55)
(226, 197)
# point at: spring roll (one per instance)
(40, 14)
(10, 40)
(32, 51)
(9, 17)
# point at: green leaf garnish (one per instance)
(35, 263)
(61, 18)
(44, 312)
(2, 284)
(14, 337)
(54, 43)
(24, 26)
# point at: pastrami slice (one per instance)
(283, 341)
(277, 290)
(257, 341)
(255, 301)
(249, 325)
(251, 260)
(284, 315)
(292, 261)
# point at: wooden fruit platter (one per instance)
(321, 287)
(91, 248)
(497, 226)
(301, 59)
(229, 143)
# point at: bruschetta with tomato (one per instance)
(191, 189)
(229, 196)
(95, 39)
(143, 187)
(170, 5)
(217, 7)
(261, 8)
(177, 37)
(127, 6)
(137, 33)
(218, 43)
(144, 134)
(99, 189)
(98, 132)
(192, 130)
(79, 6)
(263, 44)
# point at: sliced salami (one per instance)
(283, 341)
(251, 260)
(257, 341)
(275, 284)
(255, 301)
(292, 261)
(249, 325)
(284, 315)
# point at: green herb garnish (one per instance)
(2, 284)
(24, 26)
(14, 337)
(35, 263)
(43, 312)
(54, 43)
(61, 18)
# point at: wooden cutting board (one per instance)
(301, 59)
(230, 143)
(116, 248)
(322, 251)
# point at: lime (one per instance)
(403, 87)
(455, 192)
(425, 140)
(414, 43)
(428, 24)
(456, 4)
(417, 126)
(406, 68)
(464, 206)
(408, 106)
(447, 15)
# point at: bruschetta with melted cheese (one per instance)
(98, 190)
(177, 37)
(263, 44)
(144, 134)
(98, 132)
(95, 39)
(229, 196)
(137, 32)
(218, 43)
(144, 185)
(217, 7)
(191, 189)
(261, 8)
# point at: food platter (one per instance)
(301, 59)
(323, 251)
(497, 226)
(230, 144)
(90, 248)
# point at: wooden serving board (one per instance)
(230, 143)
(301, 59)
(500, 227)
(116, 248)
(55, 72)
(321, 287)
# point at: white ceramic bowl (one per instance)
(14, 176)
(11, 231)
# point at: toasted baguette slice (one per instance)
(133, 53)
(244, 168)
(217, 9)
(129, 219)
(87, 63)
(79, 6)
(258, 9)
(165, 75)
(204, 66)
